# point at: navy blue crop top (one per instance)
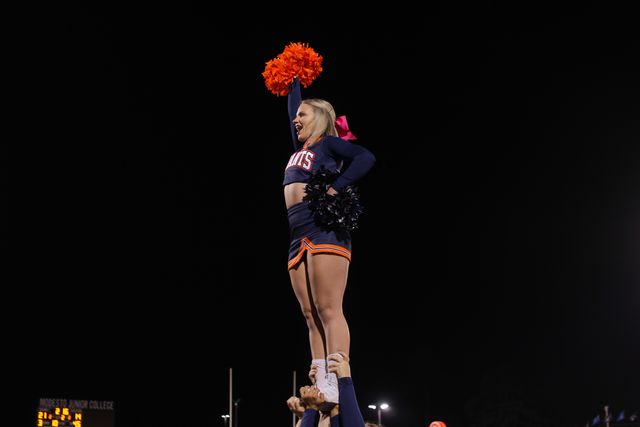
(331, 152)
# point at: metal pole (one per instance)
(293, 416)
(235, 402)
(231, 396)
(379, 416)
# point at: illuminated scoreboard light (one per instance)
(59, 417)
(75, 413)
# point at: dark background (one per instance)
(495, 272)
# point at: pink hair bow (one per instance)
(343, 129)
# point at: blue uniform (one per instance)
(331, 153)
(349, 415)
(351, 160)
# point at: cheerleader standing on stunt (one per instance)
(319, 256)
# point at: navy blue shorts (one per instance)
(307, 236)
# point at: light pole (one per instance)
(226, 419)
(235, 419)
(381, 407)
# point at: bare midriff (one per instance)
(293, 193)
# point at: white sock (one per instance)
(321, 372)
(332, 378)
(327, 382)
(330, 387)
(321, 363)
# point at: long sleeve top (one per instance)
(350, 415)
(331, 153)
(309, 418)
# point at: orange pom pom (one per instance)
(437, 424)
(297, 59)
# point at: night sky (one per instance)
(496, 264)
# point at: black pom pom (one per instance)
(337, 213)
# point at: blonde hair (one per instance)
(324, 121)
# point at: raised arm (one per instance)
(294, 99)
(309, 418)
(350, 415)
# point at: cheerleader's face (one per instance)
(304, 122)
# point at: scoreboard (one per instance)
(59, 417)
(74, 413)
